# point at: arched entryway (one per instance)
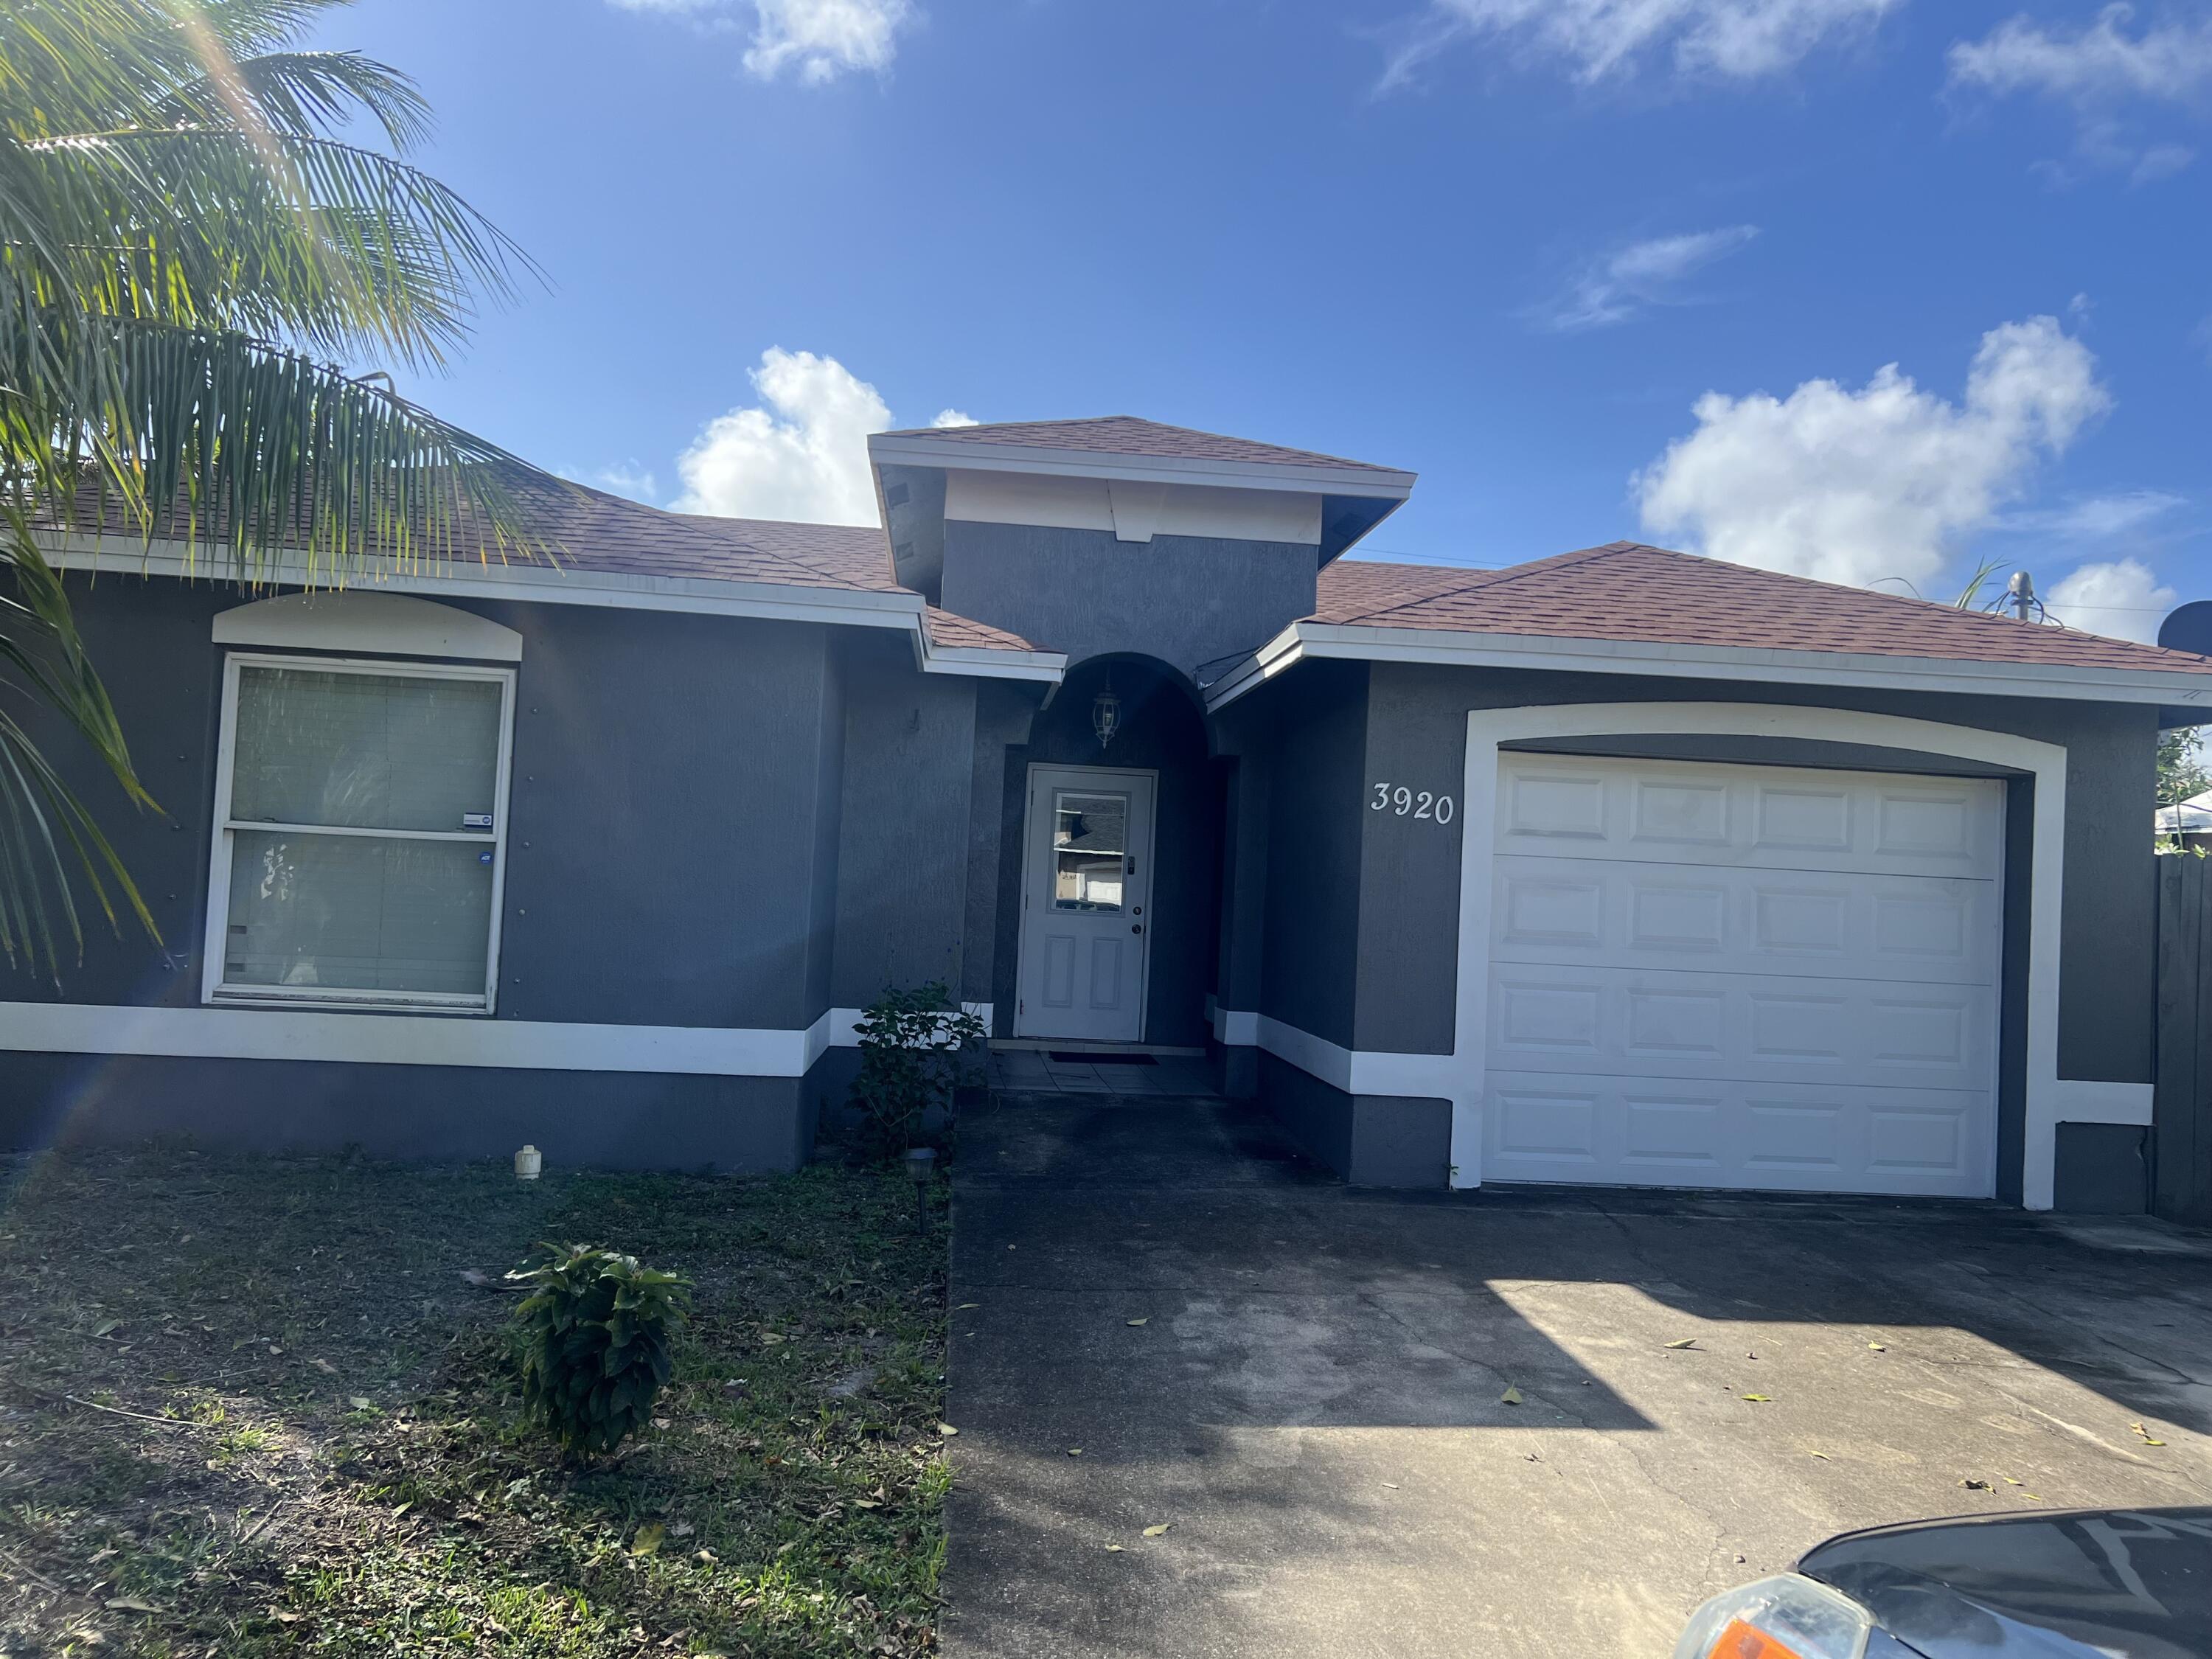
(1109, 899)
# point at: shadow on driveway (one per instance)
(1179, 1321)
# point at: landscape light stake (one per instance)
(922, 1168)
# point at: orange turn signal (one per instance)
(1740, 1641)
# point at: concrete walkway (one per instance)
(1304, 1384)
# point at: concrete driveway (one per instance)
(1312, 1402)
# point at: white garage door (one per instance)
(1745, 976)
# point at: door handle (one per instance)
(1137, 927)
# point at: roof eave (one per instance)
(2187, 694)
(846, 607)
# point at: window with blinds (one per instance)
(359, 827)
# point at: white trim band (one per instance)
(1236, 1028)
(425, 1039)
(2083, 1102)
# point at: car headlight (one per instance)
(1785, 1618)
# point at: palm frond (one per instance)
(318, 243)
(252, 26)
(261, 458)
(303, 94)
(47, 833)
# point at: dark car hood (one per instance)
(2093, 1584)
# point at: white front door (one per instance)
(1087, 887)
(1754, 977)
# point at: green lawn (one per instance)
(338, 1467)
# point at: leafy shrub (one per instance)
(910, 1047)
(593, 1340)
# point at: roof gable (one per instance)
(1131, 434)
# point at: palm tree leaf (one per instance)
(270, 463)
(304, 94)
(323, 243)
(40, 643)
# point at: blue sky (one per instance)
(1593, 268)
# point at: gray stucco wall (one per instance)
(904, 850)
(677, 803)
(1316, 760)
(1371, 1140)
(1370, 963)
(608, 1120)
(1185, 599)
(1417, 734)
(646, 883)
(674, 820)
(1003, 715)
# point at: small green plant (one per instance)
(911, 1043)
(594, 1335)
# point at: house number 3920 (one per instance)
(1410, 803)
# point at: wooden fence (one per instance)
(2181, 1140)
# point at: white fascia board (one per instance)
(1302, 640)
(541, 584)
(979, 662)
(1318, 479)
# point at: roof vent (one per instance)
(895, 494)
(2020, 598)
(902, 551)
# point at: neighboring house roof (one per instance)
(1130, 434)
(2190, 818)
(1627, 591)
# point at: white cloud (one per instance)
(1740, 40)
(626, 478)
(2099, 65)
(2121, 598)
(822, 39)
(802, 454)
(1615, 288)
(2106, 76)
(2097, 518)
(817, 40)
(953, 418)
(1854, 486)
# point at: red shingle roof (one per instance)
(590, 529)
(624, 535)
(1128, 434)
(1627, 591)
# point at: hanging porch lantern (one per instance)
(1106, 714)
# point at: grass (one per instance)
(338, 1467)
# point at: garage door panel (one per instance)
(1560, 909)
(1770, 817)
(1792, 1137)
(1743, 976)
(1632, 1022)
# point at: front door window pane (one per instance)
(1089, 850)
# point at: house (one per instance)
(2186, 823)
(1618, 866)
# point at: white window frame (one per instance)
(212, 988)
